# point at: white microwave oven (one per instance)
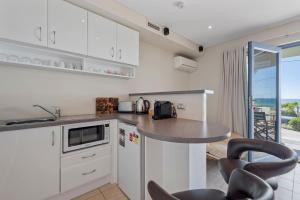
(85, 135)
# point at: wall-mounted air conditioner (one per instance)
(185, 64)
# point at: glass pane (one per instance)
(264, 93)
(74, 137)
(290, 102)
(92, 134)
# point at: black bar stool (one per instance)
(265, 170)
(242, 185)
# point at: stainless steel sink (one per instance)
(29, 121)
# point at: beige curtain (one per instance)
(233, 91)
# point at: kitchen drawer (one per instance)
(77, 175)
(85, 156)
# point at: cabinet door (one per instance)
(128, 45)
(24, 21)
(29, 163)
(67, 27)
(102, 37)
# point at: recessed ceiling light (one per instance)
(210, 27)
(179, 4)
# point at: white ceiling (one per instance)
(230, 19)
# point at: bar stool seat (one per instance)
(201, 194)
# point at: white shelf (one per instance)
(85, 65)
(54, 68)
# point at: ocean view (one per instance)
(271, 102)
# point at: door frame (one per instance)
(289, 45)
(273, 49)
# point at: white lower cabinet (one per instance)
(29, 163)
(85, 166)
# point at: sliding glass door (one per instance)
(263, 94)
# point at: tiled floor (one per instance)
(289, 184)
(106, 192)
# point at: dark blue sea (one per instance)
(269, 102)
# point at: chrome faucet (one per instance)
(56, 115)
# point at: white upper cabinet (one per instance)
(67, 27)
(30, 163)
(24, 21)
(127, 45)
(61, 25)
(102, 37)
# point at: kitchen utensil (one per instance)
(13, 58)
(125, 107)
(142, 106)
(25, 60)
(37, 61)
(62, 64)
(3, 56)
(164, 110)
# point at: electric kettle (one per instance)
(142, 106)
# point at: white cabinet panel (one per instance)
(29, 163)
(127, 45)
(85, 155)
(24, 21)
(67, 27)
(80, 174)
(102, 37)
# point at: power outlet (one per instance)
(180, 106)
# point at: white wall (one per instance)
(210, 63)
(75, 93)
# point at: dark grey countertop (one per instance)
(173, 92)
(171, 130)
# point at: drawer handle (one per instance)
(39, 34)
(53, 138)
(85, 157)
(53, 39)
(88, 173)
(112, 52)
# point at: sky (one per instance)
(265, 80)
(290, 78)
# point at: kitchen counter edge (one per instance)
(130, 120)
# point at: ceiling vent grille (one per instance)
(153, 26)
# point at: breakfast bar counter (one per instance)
(177, 130)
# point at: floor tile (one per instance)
(283, 194)
(106, 192)
(88, 195)
(289, 176)
(286, 184)
(296, 196)
(296, 188)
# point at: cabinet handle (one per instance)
(54, 37)
(120, 54)
(53, 138)
(39, 34)
(112, 52)
(88, 173)
(90, 156)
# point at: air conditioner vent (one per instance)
(153, 26)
